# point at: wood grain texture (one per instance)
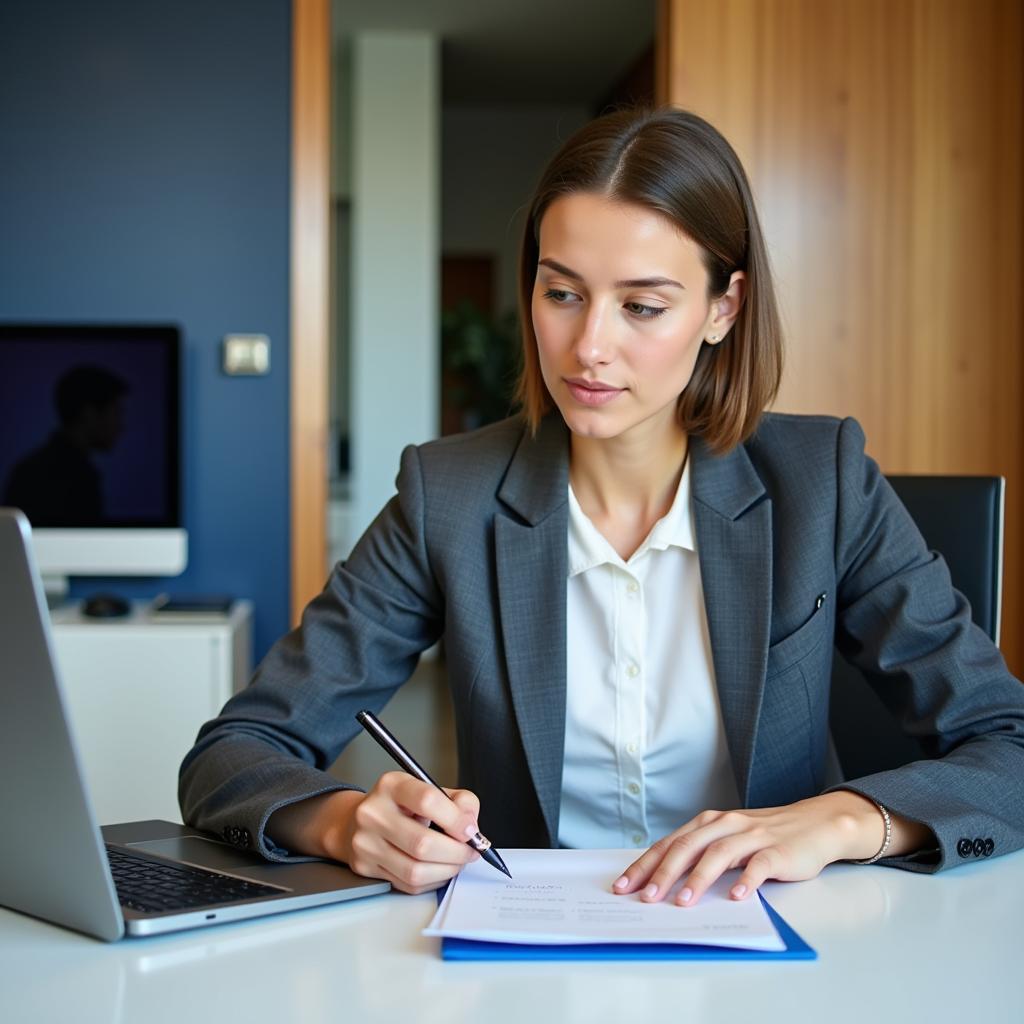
(883, 141)
(310, 232)
(663, 50)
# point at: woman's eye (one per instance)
(644, 312)
(558, 296)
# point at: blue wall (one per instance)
(144, 176)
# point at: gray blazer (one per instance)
(474, 547)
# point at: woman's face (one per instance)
(620, 310)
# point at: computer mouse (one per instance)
(105, 606)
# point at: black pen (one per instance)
(376, 728)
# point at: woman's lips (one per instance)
(592, 392)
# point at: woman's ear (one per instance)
(726, 308)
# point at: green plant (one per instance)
(480, 362)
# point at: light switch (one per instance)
(246, 354)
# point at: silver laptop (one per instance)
(55, 863)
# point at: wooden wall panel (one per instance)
(310, 261)
(883, 140)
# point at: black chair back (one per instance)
(961, 517)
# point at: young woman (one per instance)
(640, 582)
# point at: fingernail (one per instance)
(471, 831)
(738, 892)
(651, 891)
(621, 883)
(686, 895)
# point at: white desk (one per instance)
(892, 946)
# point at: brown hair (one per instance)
(677, 164)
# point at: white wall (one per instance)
(395, 258)
(492, 157)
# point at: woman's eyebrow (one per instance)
(636, 282)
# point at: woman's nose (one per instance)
(592, 346)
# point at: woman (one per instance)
(639, 583)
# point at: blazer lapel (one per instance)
(733, 524)
(532, 562)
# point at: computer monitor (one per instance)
(89, 446)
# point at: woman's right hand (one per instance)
(385, 833)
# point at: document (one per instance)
(564, 897)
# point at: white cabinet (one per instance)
(138, 690)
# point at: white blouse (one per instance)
(645, 749)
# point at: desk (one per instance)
(892, 946)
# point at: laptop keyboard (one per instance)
(158, 887)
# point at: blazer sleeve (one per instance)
(904, 626)
(358, 641)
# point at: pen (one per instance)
(376, 728)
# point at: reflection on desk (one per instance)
(892, 945)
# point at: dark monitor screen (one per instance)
(89, 424)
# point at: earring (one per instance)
(713, 337)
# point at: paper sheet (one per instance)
(562, 897)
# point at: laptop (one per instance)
(133, 879)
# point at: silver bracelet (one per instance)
(886, 842)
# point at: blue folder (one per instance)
(474, 949)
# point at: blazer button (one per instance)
(979, 847)
(244, 839)
(964, 847)
(989, 846)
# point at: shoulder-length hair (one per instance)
(675, 163)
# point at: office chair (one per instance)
(961, 517)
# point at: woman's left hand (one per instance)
(788, 843)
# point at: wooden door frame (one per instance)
(309, 297)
